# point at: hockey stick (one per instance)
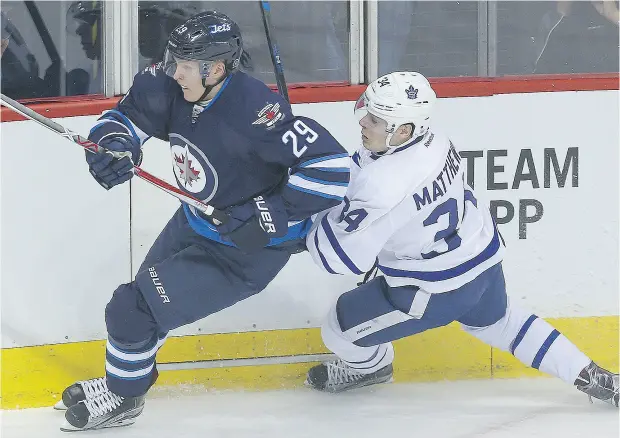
(56, 68)
(218, 217)
(265, 9)
(46, 38)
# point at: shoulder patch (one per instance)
(269, 115)
(152, 69)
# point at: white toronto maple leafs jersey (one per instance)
(413, 214)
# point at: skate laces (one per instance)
(338, 372)
(602, 381)
(103, 404)
(93, 387)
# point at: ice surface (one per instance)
(467, 409)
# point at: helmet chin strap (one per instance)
(390, 134)
(208, 88)
(391, 148)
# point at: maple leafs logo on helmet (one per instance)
(412, 93)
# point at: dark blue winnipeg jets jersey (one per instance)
(245, 142)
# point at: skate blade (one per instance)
(348, 388)
(67, 427)
(60, 406)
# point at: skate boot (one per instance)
(81, 390)
(336, 376)
(104, 410)
(598, 383)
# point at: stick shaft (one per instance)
(208, 210)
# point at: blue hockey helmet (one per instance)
(206, 38)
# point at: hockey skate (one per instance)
(336, 376)
(81, 390)
(102, 411)
(598, 383)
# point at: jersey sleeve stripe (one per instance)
(321, 256)
(447, 274)
(328, 190)
(336, 160)
(320, 181)
(314, 192)
(337, 248)
(331, 169)
(327, 176)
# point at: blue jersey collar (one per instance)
(226, 81)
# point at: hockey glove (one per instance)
(253, 224)
(109, 171)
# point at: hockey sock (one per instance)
(534, 342)
(364, 360)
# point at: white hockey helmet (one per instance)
(399, 98)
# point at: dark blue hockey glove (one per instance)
(109, 171)
(253, 224)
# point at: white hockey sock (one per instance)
(364, 360)
(534, 342)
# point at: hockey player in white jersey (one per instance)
(409, 216)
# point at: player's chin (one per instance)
(190, 95)
(370, 146)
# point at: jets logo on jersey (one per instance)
(187, 173)
(269, 115)
(152, 69)
(192, 169)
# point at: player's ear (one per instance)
(406, 130)
(220, 69)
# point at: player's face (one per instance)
(187, 75)
(373, 133)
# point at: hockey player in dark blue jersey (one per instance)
(234, 144)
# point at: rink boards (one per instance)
(36, 376)
(546, 163)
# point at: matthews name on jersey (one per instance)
(412, 214)
(215, 148)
